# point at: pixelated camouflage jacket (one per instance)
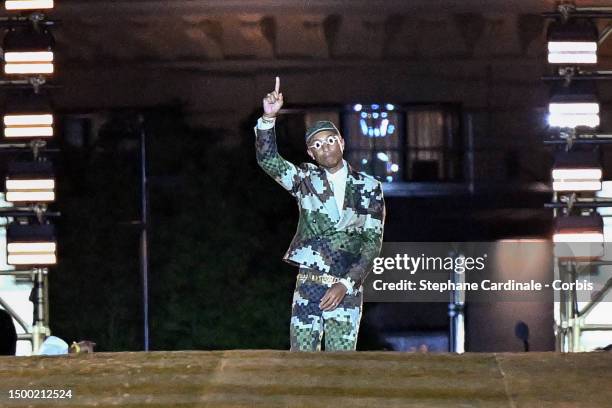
(342, 245)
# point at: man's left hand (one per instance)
(333, 297)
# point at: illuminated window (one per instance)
(390, 142)
(408, 143)
(374, 142)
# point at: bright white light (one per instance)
(28, 120)
(28, 4)
(606, 212)
(572, 121)
(375, 115)
(572, 52)
(574, 108)
(364, 127)
(30, 247)
(370, 132)
(389, 179)
(587, 185)
(30, 184)
(36, 68)
(383, 126)
(390, 107)
(391, 129)
(364, 115)
(579, 237)
(376, 132)
(382, 156)
(394, 168)
(30, 196)
(30, 56)
(32, 259)
(577, 174)
(364, 161)
(606, 191)
(30, 131)
(357, 107)
(572, 46)
(574, 58)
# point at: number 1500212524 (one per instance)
(40, 394)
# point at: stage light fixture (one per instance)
(28, 4)
(574, 105)
(28, 51)
(30, 182)
(577, 171)
(579, 229)
(28, 116)
(579, 237)
(31, 245)
(572, 42)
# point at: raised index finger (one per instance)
(277, 86)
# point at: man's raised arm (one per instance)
(284, 172)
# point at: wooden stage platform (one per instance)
(267, 378)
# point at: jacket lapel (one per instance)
(327, 197)
(353, 179)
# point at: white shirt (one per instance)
(337, 182)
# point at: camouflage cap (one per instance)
(320, 126)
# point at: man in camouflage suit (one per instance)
(339, 232)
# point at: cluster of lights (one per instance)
(578, 236)
(28, 54)
(28, 50)
(574, 114)
(573, 104)
(390, 166)
(374, 120)
(573, 42)
(29, 183)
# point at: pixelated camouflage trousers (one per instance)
(310, 325)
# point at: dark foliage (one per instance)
(217, 231)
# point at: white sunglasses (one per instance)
(330, 140)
